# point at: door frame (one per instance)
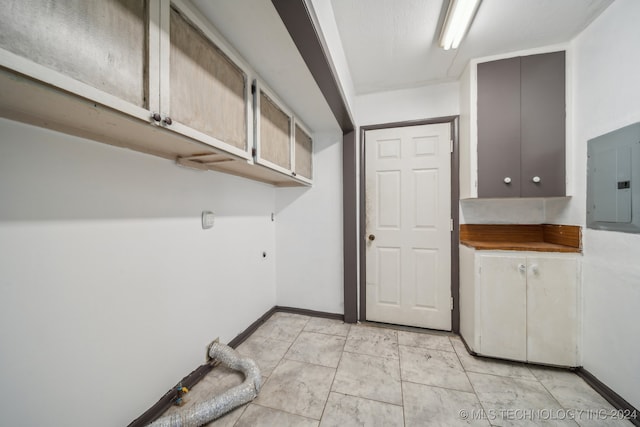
(455, 197)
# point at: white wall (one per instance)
(408, 104)
(607, 97)
(109, 288)
(502, 211)
(309, 263)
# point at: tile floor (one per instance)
(320, 372)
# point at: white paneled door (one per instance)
(408, 229)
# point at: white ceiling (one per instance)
(393, 44)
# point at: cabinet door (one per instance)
(552, 311)
(303, 153)
(503, 315)
(207, 91)
(543, 125)
(273, 133)
(499, 128)
(108, 51)
(468, 297)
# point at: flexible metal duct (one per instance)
(207, 411)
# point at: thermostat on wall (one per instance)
(207, 219)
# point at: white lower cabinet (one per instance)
(503, 307)
(520, 305)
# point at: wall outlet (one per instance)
(207, 357)
(208, 219)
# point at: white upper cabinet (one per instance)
(303, 151)
(153, 76)
(282, 142)
(95, 49)
(273, 131)
(203, 86)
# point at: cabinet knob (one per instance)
(156, 117)
(372, 237)
(522, 268)
(507, 180)
(536, 179)
(535, 270)
(167, 121)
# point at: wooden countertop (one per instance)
(522, 237)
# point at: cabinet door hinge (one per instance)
(451, 303)
(451, 145)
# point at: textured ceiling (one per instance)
(393, 44)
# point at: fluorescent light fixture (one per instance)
(459, 16)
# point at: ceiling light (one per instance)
(459, 16)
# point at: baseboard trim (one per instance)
(242, 336)
(311, 313)
(201, 371)
(611, 396)
(169, 397)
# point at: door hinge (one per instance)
(451, 145)
(451, 303)
(450, 224)
(253, 89)
(253, 152)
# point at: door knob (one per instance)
(536, 179)
(372, 237)
(507, 180)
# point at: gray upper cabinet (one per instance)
(499, 128)
(521, 126)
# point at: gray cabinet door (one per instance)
(521, 127)
(499, 128)
(542, 107)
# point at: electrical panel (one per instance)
(613, 180)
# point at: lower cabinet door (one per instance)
(503, 305)
(552, 311)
